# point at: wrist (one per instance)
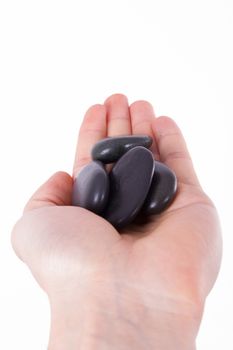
(99, 321)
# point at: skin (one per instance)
(143, 287)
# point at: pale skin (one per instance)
(143, 287)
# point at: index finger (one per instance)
(92, 130)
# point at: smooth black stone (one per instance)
(91, 188)
(130, 180)
(110, 149)
(162, 191)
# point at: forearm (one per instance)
(87, 325)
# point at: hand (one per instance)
(142, 286)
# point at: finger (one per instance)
(55, 191)
(118, 116)
(142, 117)
(173, 150)
(92, 130)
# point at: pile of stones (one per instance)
(136, 184)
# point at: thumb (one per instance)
(57, 190)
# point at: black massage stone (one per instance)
(110, 149)
(162, 191)
(91, 188)
(130, 180)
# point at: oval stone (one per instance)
(91, 188)
(162, 191)
(130, 180)
(110, 149)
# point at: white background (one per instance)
(59, 57)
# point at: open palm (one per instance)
(173, 256)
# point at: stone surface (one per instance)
(130, 180)
(110, 149)
(162, 191)
(91, 188)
